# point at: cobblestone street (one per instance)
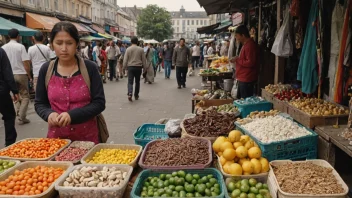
(159, 100)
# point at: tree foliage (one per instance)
(154, 23)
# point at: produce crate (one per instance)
(148, 132)
(276, 190)
(311, 121)
(138, 184)
(260, 176)
(7, 170)
(75, 145)
(50, 192)
(215, 102)
(34, 159)
(280, 105)
(267, 95)
(294, 149)
(93, 192)
(202, 166)
(98, 147)
(246, 109)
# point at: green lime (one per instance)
(156, 194)
(172, 181)
(254, 190)
(172, 187)
(181, 174)
(217, 191)
(213, 194)
(189, 195)
(165, 195)
(213, 181)
(150, 193)
(197, 194)
(238, 185)
(194, 182)
(245, 181)
(259, 186)
(189, 178)
(265, 186)
(5, 163)
(216, 185)
(244, 188)
(251, 195)
(235, 193)
(161, 191)
(264, 192)
(162, 176)
(175, 194)
(196, 177)
(179, 188)
(144, 189)
(161, 184)
(208, 185)
(168, 176)
(166, 183)
(210, 176)
(144, 194)
(259, 196)
(189, 188)
(174, 174)
(182, 194)
(252, 182)
(169, 192)
(231, 187)
(201, 188)
(243, 195)
(204, 179)
(207, 192)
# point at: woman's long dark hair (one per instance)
(67, 27)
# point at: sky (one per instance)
(170, 5)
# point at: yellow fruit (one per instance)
(244, 139)
(248, 167)
(237, 144)
(217, 143)
(254, 152)
(249, 144)
(225, 145)
(222, 160)
(241, 152)
(235, 169)
(256, 145)
(220, 153)
(234, 136)
(229, 154)
(226, 166)
(242, 160)
(257, 166)
(245, 173)
(265, 164)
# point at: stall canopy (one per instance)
(223, 6)
(6, 25)
(224, 25)
(40, 22)
(89, 28)
(151, 41)
(80, 28)
(207, 29)
(91, 38)
(98, 29)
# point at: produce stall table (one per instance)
(217, 77)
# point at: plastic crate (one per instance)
(149, 132)
(138, 184)
(246, 109)
(294, 149)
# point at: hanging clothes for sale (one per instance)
(338, 94)
(336, 31)
(307, 69)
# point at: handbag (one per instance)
(102, 127)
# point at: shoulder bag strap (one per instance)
(49, 73)
(84, 72)
(42, 52)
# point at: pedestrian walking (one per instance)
(104, 64)
(7, 85)
(38, 55)
(70, 93)
(135, 62)
(225, 49)
(181, 59)
(149, 73)
(113, 53)
(167, 55)
(96, 53)
(195, 55)
(19, 60)
(87, 51)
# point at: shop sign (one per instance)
(237, 18)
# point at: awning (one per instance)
(80, 28)
(224, 6)
(224, 25)
(207, 29)
(98, 29)
(91, 38)
(106, 36)
(89, 28)
(6, 25)
(11, 12)
(114, 29)
(40, 22)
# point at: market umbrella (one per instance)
(223, 26)
(207, 29)
(91, 38)
(6, 25)
(151, 41)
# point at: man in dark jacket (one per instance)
(167, 56)
(182, 59)
(7, 84)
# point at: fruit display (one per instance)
(288, 95)
(209, 72)
(274, 128)
(250, 101)
(88, 176)
(240, 155)
(206, 95)
(317, 180)
(247, 188)
(347, 135)
(257, 114)
(5, 165)
(34, 148)
(226, 108)
(75, 151)
(113, 156)
(278, 88)
(30, 181)
(209, 124)
(319, 107)
(177, 152)
(181, 184)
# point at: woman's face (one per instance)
(64, 46)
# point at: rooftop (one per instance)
(188, 14)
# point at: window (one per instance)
(178, 29)
(197, 22)
(178, 22)
(187, 22)
(82, 11)
(87, 11)
(201, 22)
(192, 22)
(47, 4)
(73, 8)
(205, 22)
(64, 7)
(173, 22)
(31, 2)
(56, 5)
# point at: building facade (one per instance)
(127, 25)
(185, 23)
(133, 13)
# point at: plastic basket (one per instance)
(93, 192)
(8, 170)
(201, 166)
(295, 149)
(246, 109)
(98, 147)
(50, 192)
(149, 132)
(278, 193)
(138, 184)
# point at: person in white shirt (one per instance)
(97, 53)
(113, 52)
(38, 54)
(195, 55)
(19, 60)
(210, 50)
(85, 52)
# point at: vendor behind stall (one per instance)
(247, 63)
(64, 97)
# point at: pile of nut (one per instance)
(274, 89)
(93, 177)
(318, 107)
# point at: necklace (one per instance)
(73, 71)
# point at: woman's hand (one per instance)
(52, 119)
(63, 119)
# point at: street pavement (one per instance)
(159, 100)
